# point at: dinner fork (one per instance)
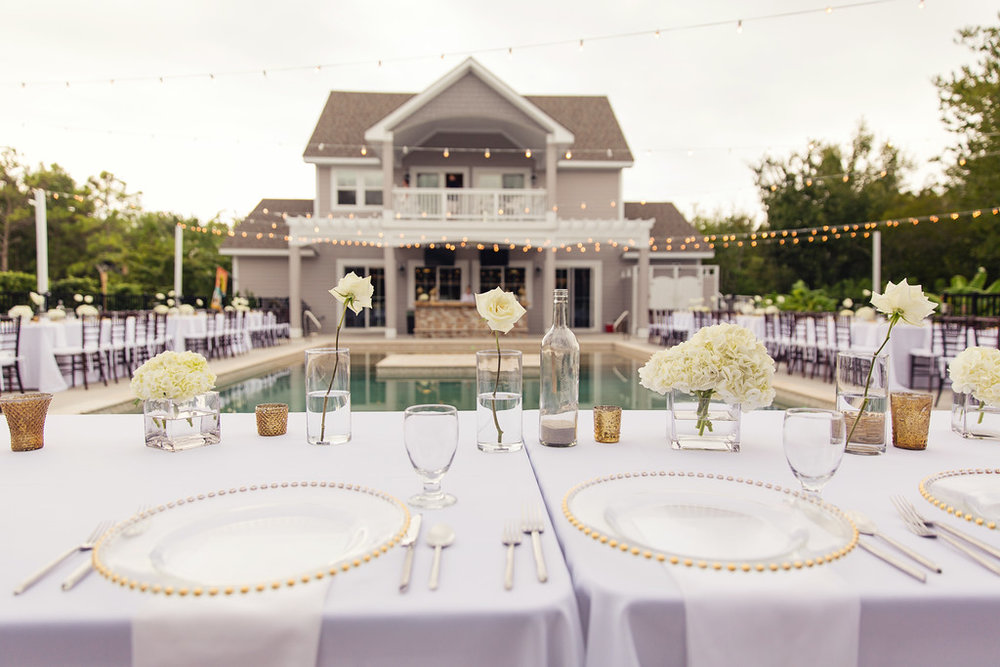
(86, 545)
(511, 538)
(532, 524)
(979, 544)
(918, 526)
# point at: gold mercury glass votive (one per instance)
(607, 423)
(26, 419)
(272, 419)
(911, 418)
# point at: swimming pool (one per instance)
(605, 378)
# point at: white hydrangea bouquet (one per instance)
(976, 372)
(179, 376)
(723, 360)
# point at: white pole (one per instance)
(41, 243)
(877, 262)
(178, 261)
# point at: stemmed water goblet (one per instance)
(430, 433)
(814, 442)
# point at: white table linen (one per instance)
(96, 466)
(634, 610)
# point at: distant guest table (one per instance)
(447, 319)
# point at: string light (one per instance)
(508, 49)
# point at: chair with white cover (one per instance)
(10, 352)
(84, 355)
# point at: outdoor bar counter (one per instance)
(451, 319)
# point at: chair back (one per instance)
(10, 334)
(90, 332)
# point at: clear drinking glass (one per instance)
(814, 441)
(430, 433)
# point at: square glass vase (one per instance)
(971, 418)
(176, 425)
(696, 424)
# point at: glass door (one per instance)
(578, 281)
(374, 316)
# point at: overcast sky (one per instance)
(698, 105)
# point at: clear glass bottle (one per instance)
(559, 393)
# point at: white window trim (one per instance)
(442, 172)
(597, 284)
(359, 189)
(342, 265)
(501, 171)
(468, 278)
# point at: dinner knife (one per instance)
(78, 575)
(409, 540)
(895, 562)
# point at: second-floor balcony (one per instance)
(469, 204)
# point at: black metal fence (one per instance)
(982, 305)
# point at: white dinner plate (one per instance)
(972, 493)
(705, 519)
(258, 535)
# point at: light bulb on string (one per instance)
(739, 27)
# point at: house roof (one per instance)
(265, 227)
(346, 116)
(668, 221)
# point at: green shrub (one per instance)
(17, 281)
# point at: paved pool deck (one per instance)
(793, 389)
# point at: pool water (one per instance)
(605, 379)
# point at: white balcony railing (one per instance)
(468, 204)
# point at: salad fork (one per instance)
(918, 526)
(532, 524)
(979, 544)
(86, 545)
(511, 538)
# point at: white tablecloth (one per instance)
(634, 610)
(96, 467)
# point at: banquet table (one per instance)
(95, 467)
(633, 607)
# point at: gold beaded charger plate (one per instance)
(251, 538)
(972, 494)
(720, 522)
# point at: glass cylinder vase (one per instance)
(971, 418)
(328, 395)
(863, 397)
(702, 421)
(498, 400)
(175, 425)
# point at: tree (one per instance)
(826, 187)
(742, 270)
(970, 107)
(14, 194)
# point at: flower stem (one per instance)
(868, 381)
(496, 385)
(336, 362)
(704, 402)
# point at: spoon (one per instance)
(439, 536)
(867, 527)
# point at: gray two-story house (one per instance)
(461, 188)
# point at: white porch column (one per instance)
(178, 262)
(294, 291)
(41, 243)
(548, 284)
(551, 160)
(391, 303)
(640, 316)
(388, 165)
